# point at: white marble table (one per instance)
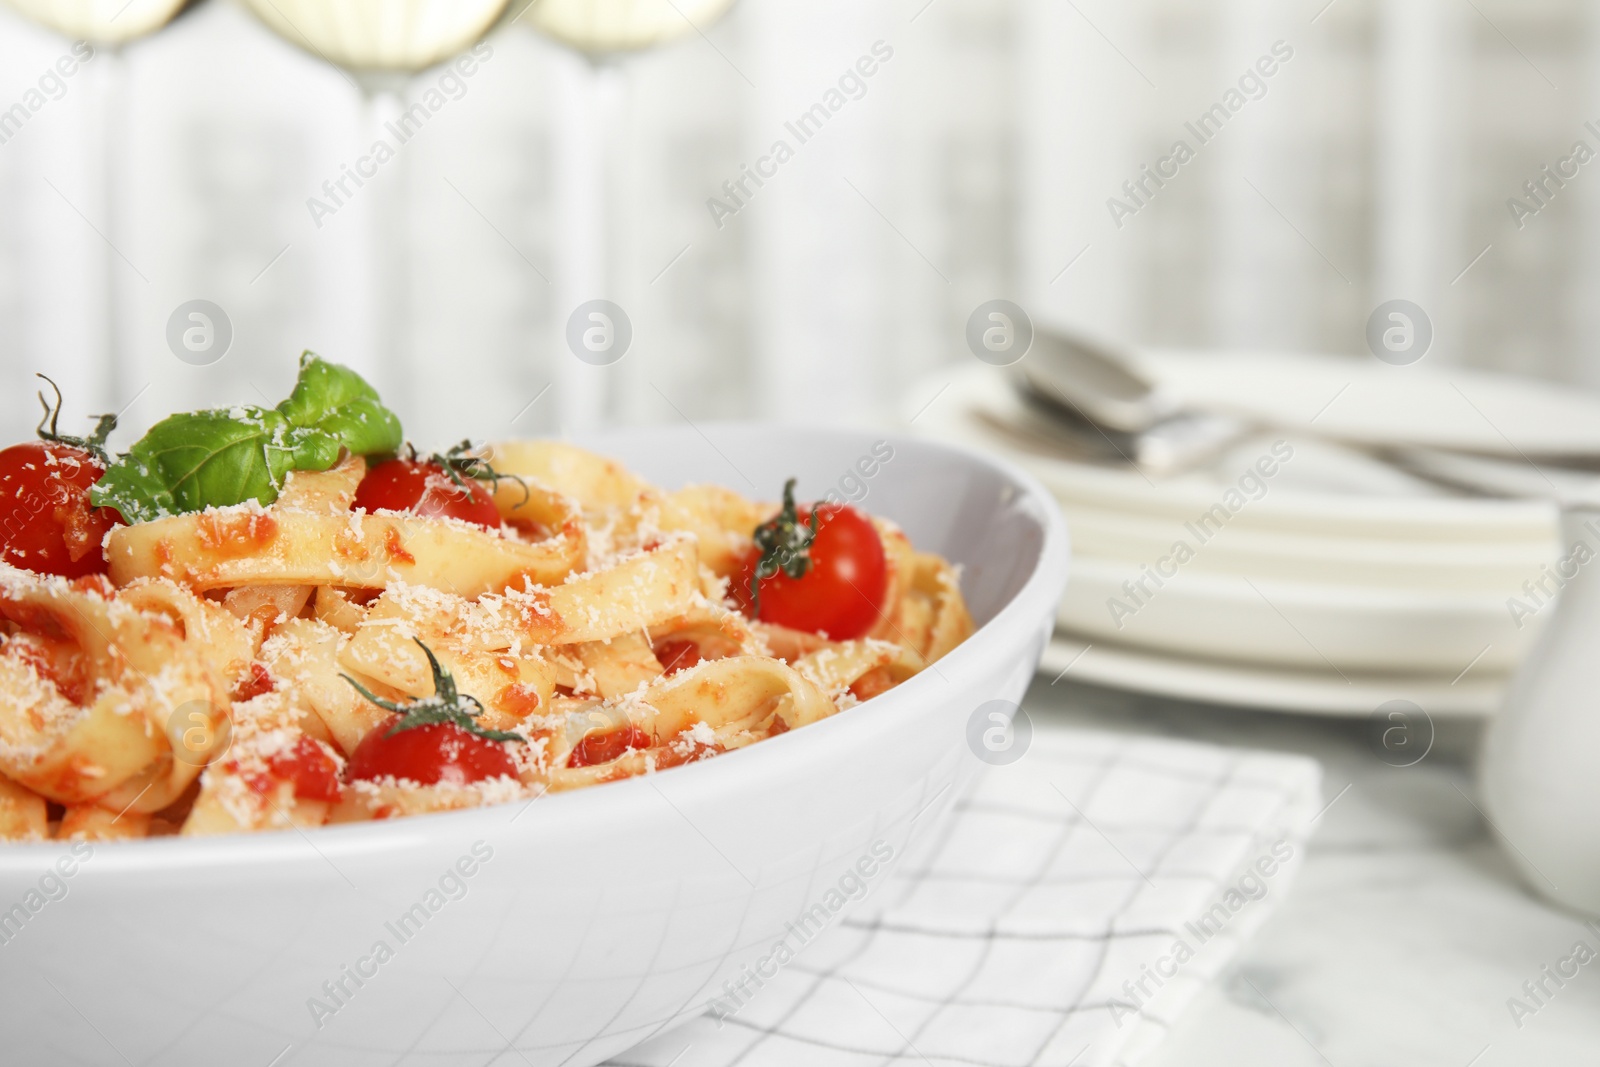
(1406, 933)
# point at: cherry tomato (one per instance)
(425, 488)
(841, 595)
(604, 747)
(46, 523)
(431, 754)
(309, 767)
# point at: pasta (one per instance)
(230, 669)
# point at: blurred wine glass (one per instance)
(107, 22)
(605, 27)
(380, 41)
(379, 45)
(403, 36)
(596, 98)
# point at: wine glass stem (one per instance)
(587, 130)
(113, 121)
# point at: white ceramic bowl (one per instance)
(589, 920)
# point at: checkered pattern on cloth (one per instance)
(1064, 916)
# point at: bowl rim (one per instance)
(1033, 605)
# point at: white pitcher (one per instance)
(1540, 771)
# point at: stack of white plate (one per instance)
(1291, 572)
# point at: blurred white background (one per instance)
(977, 163)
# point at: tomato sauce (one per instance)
(57, 662)
(231, 536)
(309, 768)
(598, 748)
(684, 750)
(519, 699)
(395, 548)
(678, 655)
(254, 683)
(34, 619)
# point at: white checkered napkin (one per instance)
(1065, 916)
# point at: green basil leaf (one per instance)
(322, 389)
(365, 427)
(136, 487)
(339, 403)
(226, 456)
(190, 461)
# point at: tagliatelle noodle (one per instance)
(387, 800)
(595, 627)
(465, 639)
(900, 558)
(618, 665)
(265, 607)
(332, 491)
(23, 815)
(91, 822)
(335, 607)
(633, 594)
(836, 668)
(155, 668)
(714, 707)
(238, 792)
(720, 519)
(593, 481)
(938, 584)
(304, 655)
(239, 546)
